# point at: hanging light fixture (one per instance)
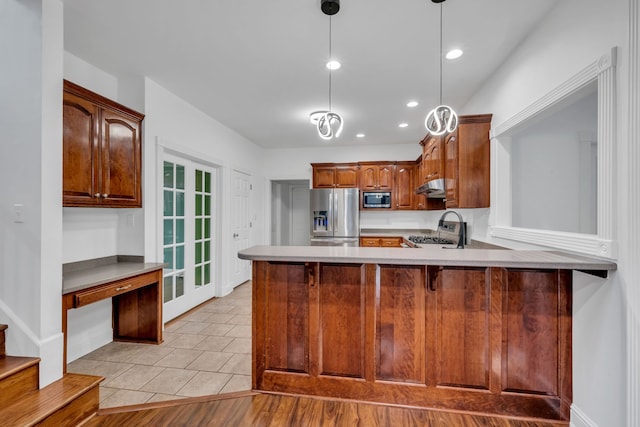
(329, 123)
(442, 119)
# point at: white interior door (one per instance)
(241, 225)
(189, 211)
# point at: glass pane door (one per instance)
(189, 210)
(173, 230)
(203, 199)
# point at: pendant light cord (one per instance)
(330, 58)
(440, 53)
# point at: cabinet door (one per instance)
(400, 324)
(368, 177)
(451, 169)
(120, 159)
(80, 158)
(346, 176)
(537, 337)
(324, 177)
(385, 177)
(459, 322)
(405, 186)
(375, 177)
(281, 308)
(474, 164)
(433, 159)
(341, 296)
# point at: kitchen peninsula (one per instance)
(479, 330)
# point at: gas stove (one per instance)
(446, 234)
(425, 240)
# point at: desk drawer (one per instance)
(112, 289)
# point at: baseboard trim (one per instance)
(580, 419)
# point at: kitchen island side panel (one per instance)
(452, 338)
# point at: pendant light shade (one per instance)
(329, 123)
(442, 119)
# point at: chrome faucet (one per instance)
(461, 231)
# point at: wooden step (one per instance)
(3, 350)
(67, 402)
(18, 376)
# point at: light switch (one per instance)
(18, 212)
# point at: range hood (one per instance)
(433, 189)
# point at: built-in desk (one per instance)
(134, 287)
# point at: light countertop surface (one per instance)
(431, 255)
(85, 278)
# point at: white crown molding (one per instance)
(603, 64)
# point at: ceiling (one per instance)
(258, 67)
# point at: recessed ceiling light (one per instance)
(453, 54)
(412, 104)
(403, 125)
(333, 64)
(360, 135)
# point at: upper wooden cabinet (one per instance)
(432, 166)
(102, 151)
(467, 163)
(462, 158)
(335, 175)
(376, 176)
(405, 184)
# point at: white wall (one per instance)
(31, 153)
(557, 49)
(178, 125)
(89, 233)
(546, 171)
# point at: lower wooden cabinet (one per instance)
(489, 340)
(375, 241)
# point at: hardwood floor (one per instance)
(258, 409)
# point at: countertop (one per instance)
(432, 255)
(100, 273)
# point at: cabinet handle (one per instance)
(105, 195)
(97, 195)
(122, 288)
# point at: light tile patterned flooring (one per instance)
(205, 352)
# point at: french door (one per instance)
(189, 216)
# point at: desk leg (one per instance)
(67, 303)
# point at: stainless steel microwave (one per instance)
(377, 199)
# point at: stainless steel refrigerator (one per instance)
(335, 217)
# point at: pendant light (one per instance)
(328, 122)
(442, 119)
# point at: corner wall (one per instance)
(31, 156)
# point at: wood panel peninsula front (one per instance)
(487, 331)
